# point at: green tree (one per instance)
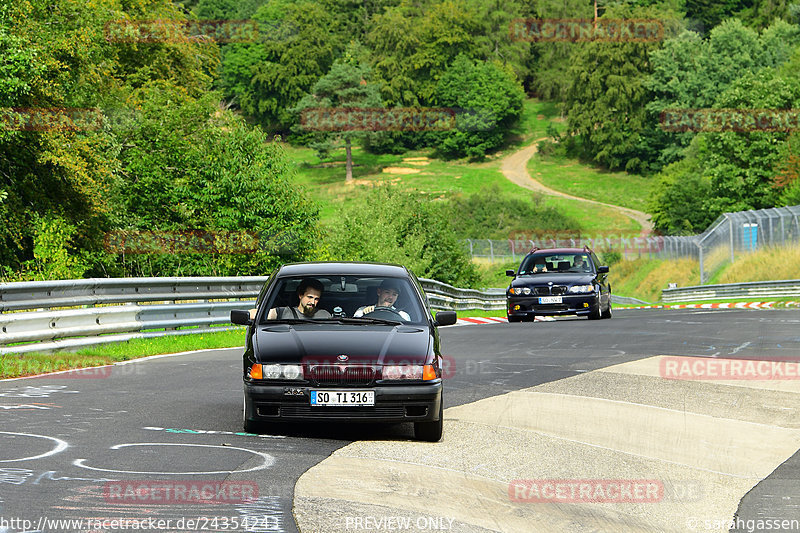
(345, 87)
(415, 42)
(677, 201)
(489, 103)
(606, 100)
(689, 72)
(187, 164)
(270, 77)
(741, 164)
(551, 60)
(787, 171)
(493, 43)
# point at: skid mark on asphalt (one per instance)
(706, 443)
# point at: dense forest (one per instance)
(172, 121)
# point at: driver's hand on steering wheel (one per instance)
(368, 309)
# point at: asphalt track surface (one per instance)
(68, 442)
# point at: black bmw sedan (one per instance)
(350, 342)
(559, 281)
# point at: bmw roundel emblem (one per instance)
(549, 282)
(342, 358)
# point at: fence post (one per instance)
(702, 272)
(730, 222)
(491, 250)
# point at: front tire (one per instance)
(431, 431)
(515, 319)
(607, 312)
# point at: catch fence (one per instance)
(730, 235)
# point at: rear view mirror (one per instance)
(602, 270)
(445, 318)
(241, 317)
(511, 273)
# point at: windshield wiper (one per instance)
(291, 321)
(364, 319)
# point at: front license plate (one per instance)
(355, 398)
(550, 300)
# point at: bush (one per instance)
(396, 227)
(489, 102)
(490, 214)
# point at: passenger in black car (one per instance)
(309, 291)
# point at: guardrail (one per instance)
(53, 315)
(626, 300)
(732, 291)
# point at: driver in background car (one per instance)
(579, 265)
(388, 292)
(309, 291)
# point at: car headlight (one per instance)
(275, 371)
(398, 372)
(580, 289)
(519, 290)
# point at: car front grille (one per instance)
(342, 375)
(554, 290)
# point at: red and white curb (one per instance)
(474, 321)
(730, 305)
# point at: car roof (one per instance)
(560, 251)
(343, 268)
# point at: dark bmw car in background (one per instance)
(559, 281)
(381, 366)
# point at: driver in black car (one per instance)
(579, 265)
(388, 292)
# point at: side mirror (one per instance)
(445, 318)
(510, 273)
(602, 270)
(241, 317)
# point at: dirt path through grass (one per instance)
(514, 168)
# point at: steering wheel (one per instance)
(379, 310)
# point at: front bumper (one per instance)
(571, 304)
(393, 403)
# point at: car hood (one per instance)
(323, 343)
(557, 278)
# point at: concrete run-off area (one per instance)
(618, 449)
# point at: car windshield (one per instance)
(344, 299)
(544, 263)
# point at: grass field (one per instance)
(437, 179)
(572, 177)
